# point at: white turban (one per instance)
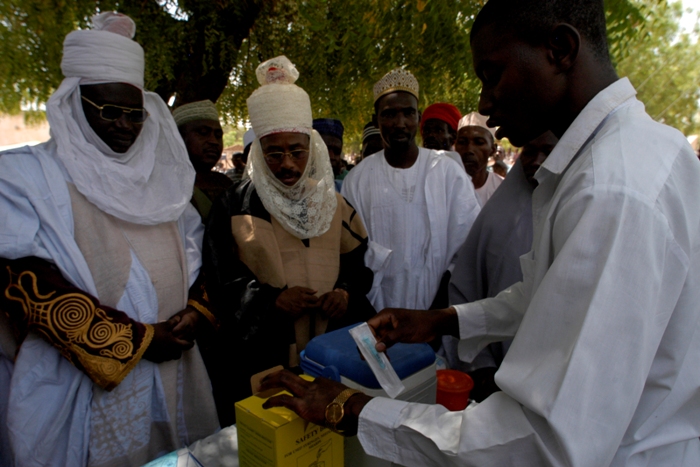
(152, 182)
(279, 105)
(110, 58)
(305, 209)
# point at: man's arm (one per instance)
(102, 342)
(574, 376)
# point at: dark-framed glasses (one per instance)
(112, 112)
(278, 157)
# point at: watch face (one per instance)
(334, 413)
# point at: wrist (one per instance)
(352, 409)
(447, 322)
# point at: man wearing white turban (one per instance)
(286, 252)
(100, 253)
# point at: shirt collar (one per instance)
(586, 123)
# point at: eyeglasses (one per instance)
(278, 157)
(112, 113)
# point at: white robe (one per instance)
(49, 413)
(603, 370)
(483, 193)
(416, 220)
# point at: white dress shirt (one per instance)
(603, 369)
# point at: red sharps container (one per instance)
(453, 389)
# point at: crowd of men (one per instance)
(141, 290)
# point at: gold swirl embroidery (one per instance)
(71, 318)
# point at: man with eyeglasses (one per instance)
(285, 259)
(100, 253)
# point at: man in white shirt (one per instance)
(416, 204)
(606, 323)
(475, 145)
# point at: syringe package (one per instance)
(378, 361)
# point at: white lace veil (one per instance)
(305, 209)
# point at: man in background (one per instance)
(371, 140)
(476, 145)
(416, 204)
(331, 130)
(199, 126)
(489, 260)
(438, 126)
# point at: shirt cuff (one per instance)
(377, 423)
(472, 320)
(472, 329)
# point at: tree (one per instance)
(199, 49)
(664, 66)
(190, 46)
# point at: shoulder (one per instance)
(444, 161)
(634, 153)
(30, 168)
(367, 164)
(242, 199)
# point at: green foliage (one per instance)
(664, 66)
(340, 48)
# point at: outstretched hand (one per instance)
(309, 399)
(392, 325)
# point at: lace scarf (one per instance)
(306, 209)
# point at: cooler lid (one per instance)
(338, 349)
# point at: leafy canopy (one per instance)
(198, 49)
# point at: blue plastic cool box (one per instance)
(334, 355)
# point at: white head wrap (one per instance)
(279, 105)
(152, 182)
(476, 119)
(305, 209)
(248, 137)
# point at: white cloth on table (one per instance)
(603, 369)
(49, 413)
(416, 219)
(493, 181)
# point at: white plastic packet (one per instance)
(378, 361)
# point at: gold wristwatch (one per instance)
(335, 410)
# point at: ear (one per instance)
(563, 44)
(375, 120)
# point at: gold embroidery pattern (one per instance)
(203, 310)
(80, 330)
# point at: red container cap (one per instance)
(453, 388)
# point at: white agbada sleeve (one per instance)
(570, 385)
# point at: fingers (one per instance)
(172, 322)
(306, 290)
(287, 380)
(384, 325)
(283, 400)
(310, 301)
